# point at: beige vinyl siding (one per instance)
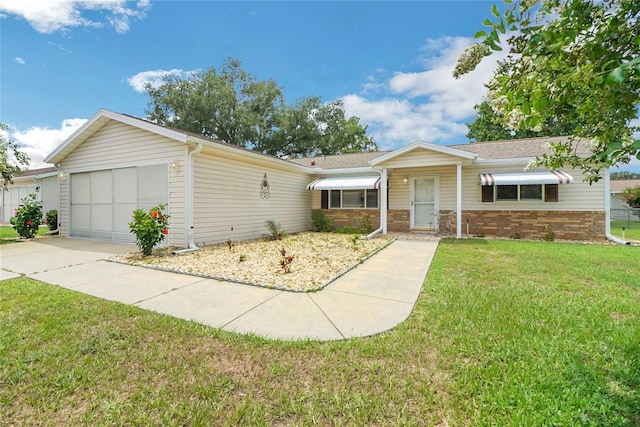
(420, 158)
(316, 199)
(227, 194)
(50, 188)
(118, 145)
(579, 196)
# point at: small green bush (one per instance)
(28, 217)
(275, 230)
(366, 225)
(348, 230)
(321, 222)
(549, 235)
(52, 219)
(149, 228)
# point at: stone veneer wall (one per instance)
(567, 225)
(351, 217)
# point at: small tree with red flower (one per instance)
(631, 196)
(150, 228)
(28, 217)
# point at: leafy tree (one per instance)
(231, 105)
(11, 158)
(571, 60)
(228, 104)
(488, 126)
(311, 128)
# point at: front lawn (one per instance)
(7, 233)
(632, 229)
(504, 333)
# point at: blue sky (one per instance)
(390, 62)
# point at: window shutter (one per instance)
(324, 199)
(551, 192)
(487, 193)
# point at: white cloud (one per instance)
(20, 60)
(428, 105)
(154, 78)
(37, 142)
(59, 15)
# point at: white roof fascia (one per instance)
(345, 171)
(427, 146)
(46, 175)
(228, 148)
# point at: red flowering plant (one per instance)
(631, 195)
(150, 228)
(28, 217)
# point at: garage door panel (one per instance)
(124, 184)
(102, 217)
(101, 187)
(123, 215)
(81, 188)
(80, 220)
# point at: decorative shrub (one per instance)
(549, 235)
(150, 228)
(52, 219)
(366, 225)
(286, 260)
(631, 196)
(275, 230)
(28, 217)
(321, 222)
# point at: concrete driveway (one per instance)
(372, 298)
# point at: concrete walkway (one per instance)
(374, 297)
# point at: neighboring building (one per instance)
(42, 182)
(215, 191)
(617, 187)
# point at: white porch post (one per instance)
(383, 200)
(459, 201)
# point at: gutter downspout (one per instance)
(607, 210)
(383, 203)
(191, 246)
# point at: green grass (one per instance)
(504, 333)
(632, 229)
(7, 232)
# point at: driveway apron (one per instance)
(373, 297)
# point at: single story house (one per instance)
(215, 191)
(42, 182)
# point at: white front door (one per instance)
(424, 203)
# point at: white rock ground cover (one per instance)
(318, 258)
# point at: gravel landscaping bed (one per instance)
(318, 259)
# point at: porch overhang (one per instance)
(346, 183)
(526, 178)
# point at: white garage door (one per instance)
(102, 202)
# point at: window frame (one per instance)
(364, 197)
(547, 194)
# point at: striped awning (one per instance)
(526, 178)
(346, 183)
